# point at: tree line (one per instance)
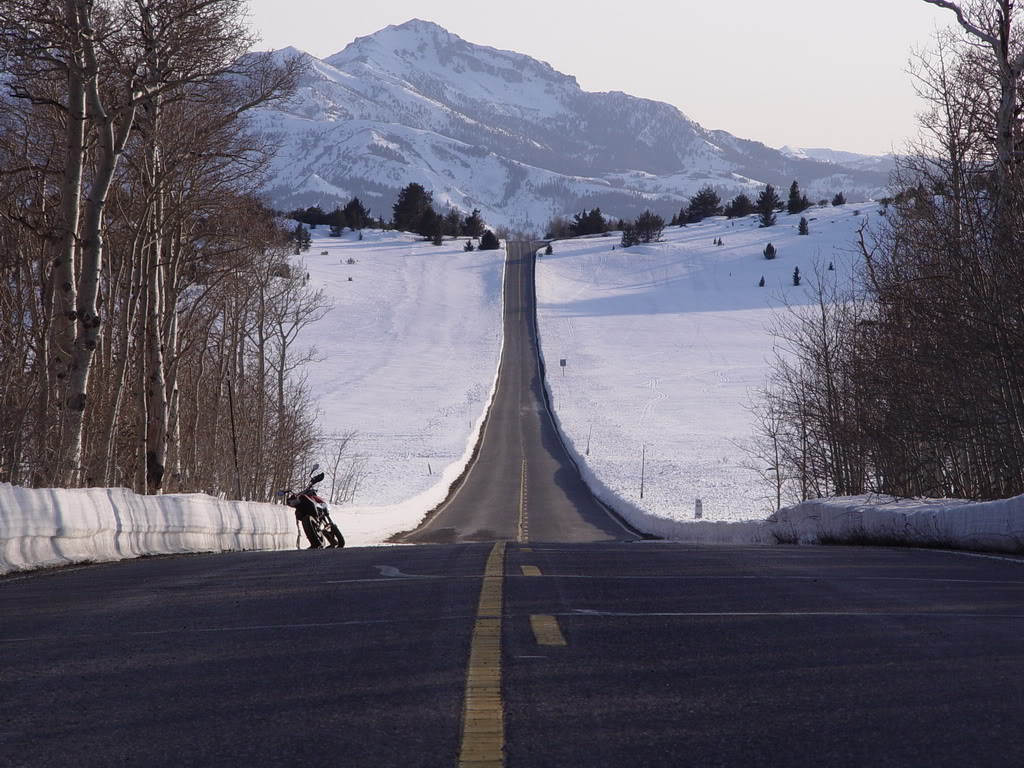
(910, 381)
(413, 211)
(707, 203)
(148, 312)
(703, 205)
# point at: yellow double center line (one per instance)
(524, 520)
(483, 719)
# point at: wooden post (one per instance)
(643, 467)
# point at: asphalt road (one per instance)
(522, 485)
(570, 643)
(673, 655)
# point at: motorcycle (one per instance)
(314, 515)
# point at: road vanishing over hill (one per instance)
(522, 484)
(541, 633)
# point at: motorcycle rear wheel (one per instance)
(311, 534)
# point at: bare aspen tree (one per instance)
(912, 384)
(149, 223)
(992, 22)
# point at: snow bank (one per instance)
(54, 526)
(995, 525)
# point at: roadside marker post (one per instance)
(643, 467)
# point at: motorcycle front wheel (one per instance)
(334, 534)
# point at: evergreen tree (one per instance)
(439, 232)
(473, 226)
(831, 267)
(548, 251)
(739, 206)
(649, 227)
(469, 247)
(796, 276)
(797, 203)
(704, 204)
(839, 199)
(805, 228)
(770, 252)
(629, 235)
(453, 222)
(761, 284)
(767, 202)
(592, 223)
(489, 241)
(302, 239)
(355, 215)
(408, 211)
(336, 230)
(312, 215)
(430, 221)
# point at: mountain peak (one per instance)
(420, 25)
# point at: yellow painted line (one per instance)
(530, 570)
(524, 520)
(483, 716)
(526, 549)
(546, 630)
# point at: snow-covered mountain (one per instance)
(884, 163)
(506, 133)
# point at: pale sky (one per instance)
(810, 73)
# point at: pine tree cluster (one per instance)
(592, 223)
(705, 204)
(739, 206)
(413, 211)
(647, 228)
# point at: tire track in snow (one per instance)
(659, 395)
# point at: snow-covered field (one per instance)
(407, 359)
(664, 343)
